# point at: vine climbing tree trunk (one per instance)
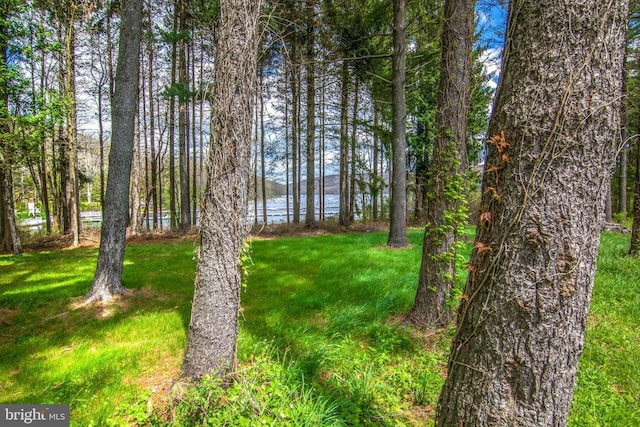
(524, 311)
(446, 210)
(213, 328)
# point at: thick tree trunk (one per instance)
(214, 317)
(107, 281)
(398, 207)
(446, 210)
(9, 237)
(553, 132)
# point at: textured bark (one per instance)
(553, 135)
(398, 204)
(70, 147)
(9, 237)
(107, 281)
(214, 317)
(446, 213)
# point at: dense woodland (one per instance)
(391, 100)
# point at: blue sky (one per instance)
(491, 17)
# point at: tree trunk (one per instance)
(152, 128)
(173, 209)
(310, 217)
(398, 208)
(622, 180)
(70, 148)
(295, 134)
(376, 188)
(344, 218)
(183, 124)
(9, 237)
(107, 281)
(554, 131)
(446, 210)
(286, 143)
(634, 247)
(213, 328)
(263, 172)
(354, 150)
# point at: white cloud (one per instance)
(492, 60)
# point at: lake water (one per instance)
(276, 212)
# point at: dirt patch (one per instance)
(90, 237)
(271, 231)
(428, 339)
(7, 315)
(119, 303)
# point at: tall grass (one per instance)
(319, 343)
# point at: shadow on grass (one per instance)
(54, 351)
(321, 302)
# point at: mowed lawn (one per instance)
(320, 338)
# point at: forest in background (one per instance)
(60, 80)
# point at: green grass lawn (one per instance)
(319, 341)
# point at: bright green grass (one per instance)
(318, 344)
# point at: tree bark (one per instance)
(9, 237)
(173, 209)
(183, 123)
(398, 207)
(213, 328)
(310, 217)
(107, 281)
(263, 172)
(152, 126)
(70, 148)
(446, 210)
(634, 247)
(295, 134)
(554, 132)
(344, 218)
